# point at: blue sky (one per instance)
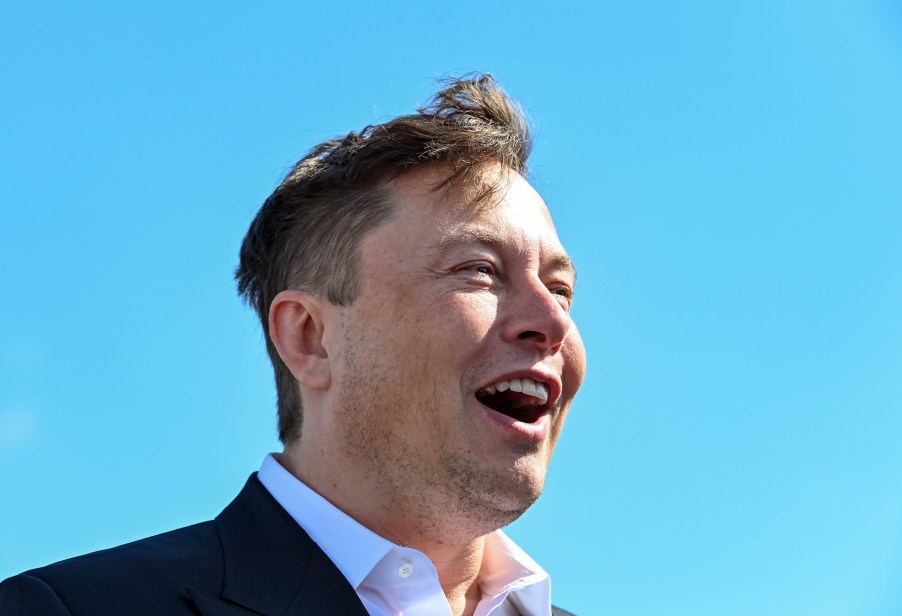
(726, 176)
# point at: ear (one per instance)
(296, 329)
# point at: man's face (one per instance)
(458, 302)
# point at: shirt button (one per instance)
(405, 570)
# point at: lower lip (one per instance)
(537, 430)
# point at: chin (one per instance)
(504, 509)
(493, 499)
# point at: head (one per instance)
(307, 234)
(416, 301)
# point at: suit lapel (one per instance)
(272, 567)
(324, 590)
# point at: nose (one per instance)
(535, 316)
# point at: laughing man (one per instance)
(415, 300)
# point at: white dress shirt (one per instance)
(392, 580)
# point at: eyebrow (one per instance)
(560, 261)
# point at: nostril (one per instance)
(530, 335)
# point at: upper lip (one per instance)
(549, 379)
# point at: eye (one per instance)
(479, 271)
(564, 292)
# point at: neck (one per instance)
(457, 556)
(458, 573)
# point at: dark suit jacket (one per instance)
(252, 559)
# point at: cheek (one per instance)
(574, 354)
(468, 318)
(439, 343)
(556, 427)
(432, 330)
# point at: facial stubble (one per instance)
(390, 417)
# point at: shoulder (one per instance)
(153, 572)
(556, 611)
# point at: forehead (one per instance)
(499, 206)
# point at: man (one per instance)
(415, 300)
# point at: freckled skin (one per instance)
(430, 327)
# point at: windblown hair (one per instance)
(307, 233)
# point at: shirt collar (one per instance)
(507, 572)
(505, 565)
(354, 549)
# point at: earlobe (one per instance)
(296, 328)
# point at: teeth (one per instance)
(541, 393)
(521, 385)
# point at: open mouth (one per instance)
(522, 399)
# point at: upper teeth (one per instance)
(524, 385)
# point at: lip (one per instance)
(536, 431)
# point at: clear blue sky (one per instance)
(727, 176)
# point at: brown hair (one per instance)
(306, 234)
